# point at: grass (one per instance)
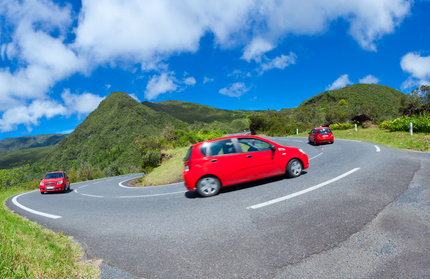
(27, 250)
(400, 140)
(170, 170)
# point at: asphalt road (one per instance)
(360, 211)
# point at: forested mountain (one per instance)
(105, 138)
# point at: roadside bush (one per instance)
(341, 126)
(420, 123)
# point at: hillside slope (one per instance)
(13, 144)
(367, 96)
(106, 136)
(191, 112)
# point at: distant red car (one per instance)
(230, 160)
(57, 181)
(321, 135)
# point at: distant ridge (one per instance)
(191, 112)
(14, 144)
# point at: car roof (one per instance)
(233, 137)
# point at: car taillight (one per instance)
(187, 165)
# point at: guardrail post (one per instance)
(297, 131)
(356, 127)
(411, 129)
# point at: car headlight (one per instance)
(60, 182)
(42, 184)
(301, 150)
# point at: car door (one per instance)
(224, 161)
(261, 159)
(66, 180)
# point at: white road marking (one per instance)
(153, 195)
(297, 140)
(377, 148)
(94, 196)
(316, 156)
(15, 202)
(260, 205)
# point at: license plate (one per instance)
(325, 136)
(50, 188)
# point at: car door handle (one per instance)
(213, 160)
(249, 156)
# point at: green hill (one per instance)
(191, 112)
(105, 137)
(364, 98)
(13, 144)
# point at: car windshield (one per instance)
(324, 131)
(54, 175)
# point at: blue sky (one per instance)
(60, 59)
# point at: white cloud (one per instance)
(207, 79)
(235, 90)
(80, 104)
(255, 49)
(134, 97)
(280, 62)
(190, 81)
(418, 67)
(342, 81)
(159, 85)
(369, 79)
(30, 115)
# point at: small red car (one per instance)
(56, 181)
(321, 135)
(230, 160)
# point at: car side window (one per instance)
(65, 175)
(253, 145)
(314, 131)
(222, 147)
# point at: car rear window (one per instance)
(188, 156)
(221, 147)
(324, 131)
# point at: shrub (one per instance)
(341, 126)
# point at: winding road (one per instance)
(360, 211)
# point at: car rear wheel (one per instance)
(208, 186)
(315, 142)
(294, 168)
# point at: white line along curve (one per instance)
(15, 202)
(377, 148)
(260, 205)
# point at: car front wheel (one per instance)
(294, 168)
(208, 186)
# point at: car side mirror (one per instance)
(272, 147)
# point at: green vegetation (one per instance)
(29, 251)
(23, 157)
(378, 102)
(13, 144)
(420, 123)
(190, 112)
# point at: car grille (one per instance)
(49, 184)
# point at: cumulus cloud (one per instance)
(280, 62)
(207, 79)
(235, 90)
(80, 104)
(342, 81)
(160, 84)
(418, 67)
(30, 115)
(369, 79)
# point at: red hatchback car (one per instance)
(321, 135)
(57, 181)
(230, 160)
